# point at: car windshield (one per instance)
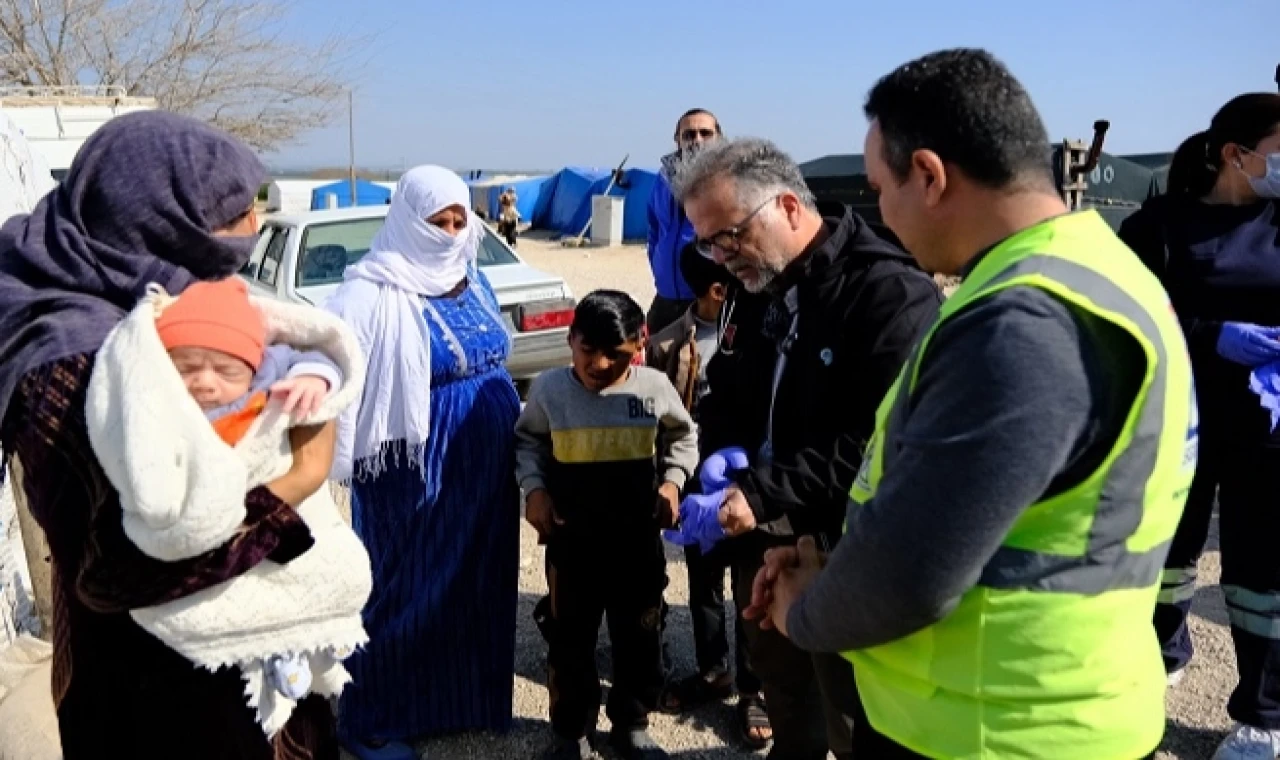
(329, 248)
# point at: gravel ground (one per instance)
(1197, 714)
(623, 267)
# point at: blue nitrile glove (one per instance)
(717, 468)
(1265, 381)
(1249, 344)
(699, 522)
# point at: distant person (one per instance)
(1214, 241)
(430, 453)
(508, 215)
(1005, 533)
(603, 449)
(683, 351)
(669, 228)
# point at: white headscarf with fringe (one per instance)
(381, 298)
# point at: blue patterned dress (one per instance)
(441, 621)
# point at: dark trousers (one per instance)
(812, 700)
(665, 311)
(508, 231)
(1243, 479)
(710, 631)
(623, 580)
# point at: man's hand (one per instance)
(791, 583)
(775, 561)
(540, 511)
(302, 395)
(668, 506)
(735, 514)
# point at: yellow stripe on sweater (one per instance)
(611, 444)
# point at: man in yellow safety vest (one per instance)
(1006, 533)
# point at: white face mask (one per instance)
(1268, 185)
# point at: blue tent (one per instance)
(570, 205)
(529, 195)
(367, 194)
(635, 216)
(571, 191)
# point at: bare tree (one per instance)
(229, 62)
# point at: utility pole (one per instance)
(351, 143)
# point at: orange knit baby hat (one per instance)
(217, 316)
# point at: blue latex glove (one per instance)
(1265, 381)
(699, 522)
(1249, 344)
(717, 468)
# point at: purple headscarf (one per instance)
(138, 206)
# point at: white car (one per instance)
(301, 258)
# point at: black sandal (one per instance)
(695, 691)
(752, 716)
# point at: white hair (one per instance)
(757, 167)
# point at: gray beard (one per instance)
(765, 276)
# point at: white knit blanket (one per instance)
(182, 491)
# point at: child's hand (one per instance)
(540, 511)
(302, 395)
(668, 506)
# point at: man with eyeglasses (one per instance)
(825, 317)
(669, 228)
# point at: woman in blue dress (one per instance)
(429, 454)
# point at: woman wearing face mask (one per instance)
(430, 455)
(150, 198)
(1214, 241)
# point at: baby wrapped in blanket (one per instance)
(254, 369)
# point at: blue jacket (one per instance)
(669, 232)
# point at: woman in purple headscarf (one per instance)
(150, 198)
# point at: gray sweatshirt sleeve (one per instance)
(1003, 406)
(678, 443)
(533, 440)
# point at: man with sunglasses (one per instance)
(669, 228)
(825, 315)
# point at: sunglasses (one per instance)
(729, 239)
(689, 135)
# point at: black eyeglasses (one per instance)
(689, 135)
(728, 239)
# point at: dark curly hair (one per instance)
(965, 106)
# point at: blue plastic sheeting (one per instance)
(571, 190)
(529, 194)
(635, 214)
(367, 194)
(570, 205)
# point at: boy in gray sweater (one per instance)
(602, 451)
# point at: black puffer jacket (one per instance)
(863, 304)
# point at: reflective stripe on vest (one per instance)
(1106, 563)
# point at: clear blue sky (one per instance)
(539, 84)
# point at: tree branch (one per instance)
(231, 62)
